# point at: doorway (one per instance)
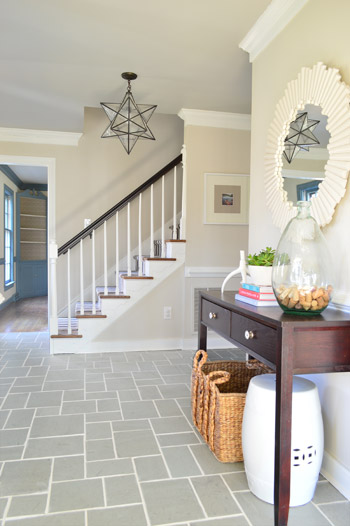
(34, 235)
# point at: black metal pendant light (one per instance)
(128, 120)
(300, 136)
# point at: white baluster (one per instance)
(174, 213)
(81, 278)
(140, 235)
(105, 256)
(163, 238)
(151, 252)
(128, 243)
(69, 314)
(184, 195)
(117, 254)
(93, 292)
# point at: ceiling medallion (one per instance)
(128, 120)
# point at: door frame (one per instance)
(50, 164)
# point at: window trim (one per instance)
(8, 193)
(306, 190)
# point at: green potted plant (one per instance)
(260, 266)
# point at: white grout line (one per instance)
(322, 513)
(197, 497)
(104, 492)
(141, 494)
(232, 493)
(49, 488)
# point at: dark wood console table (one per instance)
(291, 344)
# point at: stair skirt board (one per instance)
(79, 346)
(107, 313)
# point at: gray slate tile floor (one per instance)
(107, 440)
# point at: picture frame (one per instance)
(226, 199)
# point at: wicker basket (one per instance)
(218, 391)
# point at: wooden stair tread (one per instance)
(63, 329)
(159, 259)
(125, 276)
(61, 335)
(175, 241)
(113, 296)
(90, 315)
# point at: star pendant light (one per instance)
(128, 120)
(300, 136)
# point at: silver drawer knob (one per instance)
(249, 335)
(212, 315)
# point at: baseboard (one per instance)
(79, 346)
(7, 302)
(214, 342)
(337, 474)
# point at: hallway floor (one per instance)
(26, 315)
(107, 440)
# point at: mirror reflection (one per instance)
(302, 176)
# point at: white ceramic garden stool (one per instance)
(258, 438)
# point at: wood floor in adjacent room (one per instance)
(26, 315)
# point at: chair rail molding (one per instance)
(207, 272)
(39, 136)
(273, 20)
(215, 119)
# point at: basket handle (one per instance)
(199, 359)
(218, 377)
(256, 364)
(215, 378)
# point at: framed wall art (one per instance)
(226, 199)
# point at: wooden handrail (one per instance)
(98, 222)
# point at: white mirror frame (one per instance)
(322, 87)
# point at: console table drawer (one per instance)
(216, 317)
(254, 335)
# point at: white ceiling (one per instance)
(31, 174)
(57, 56)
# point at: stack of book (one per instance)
(256, 295)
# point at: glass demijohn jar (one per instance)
(301, 273)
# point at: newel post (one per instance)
(53, 255)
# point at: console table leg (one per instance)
(284, 389)
(202, 329)
(202, 337)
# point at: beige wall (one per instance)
(213, 247)
(318, 33)
(96, 174)
(213, 150)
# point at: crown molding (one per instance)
(215, 119)
(302, 174)
(273, 20)
(39, 136)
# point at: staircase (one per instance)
(97, 292)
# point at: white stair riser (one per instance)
(175, 250)
(113, 306)
(134, 286)
(154, 268)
